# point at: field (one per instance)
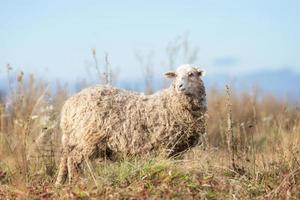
(252, 151)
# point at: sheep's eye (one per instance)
(190, 74)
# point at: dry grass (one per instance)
(253, 152)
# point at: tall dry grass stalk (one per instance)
(180, 51)
(230, 133)
(108, 75)
(147, 67)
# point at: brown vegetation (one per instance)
(252, 149)
(265, 144)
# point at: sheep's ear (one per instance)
(201, 72)
(170, 74)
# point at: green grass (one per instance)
(160, 178)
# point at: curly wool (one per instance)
(114, 123)
(132, 124)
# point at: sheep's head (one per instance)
(187, 79)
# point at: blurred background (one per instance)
(249, 44)
(51, 49)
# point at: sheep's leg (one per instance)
(63, 168)
(76, 157)
(62, 173)
(73, 162)
(72, 169)
(85, 150)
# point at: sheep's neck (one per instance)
(191, 103)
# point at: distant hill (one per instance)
(283, 83)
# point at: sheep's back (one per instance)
(93, 110)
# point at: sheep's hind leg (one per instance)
(77, 156)
(73, 162)
(71, 169)
(63, 170)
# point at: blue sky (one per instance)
(54, 38)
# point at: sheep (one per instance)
(103, 121)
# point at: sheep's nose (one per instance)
(181, 86)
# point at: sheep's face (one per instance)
(186, 79)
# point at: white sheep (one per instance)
(104, 121)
